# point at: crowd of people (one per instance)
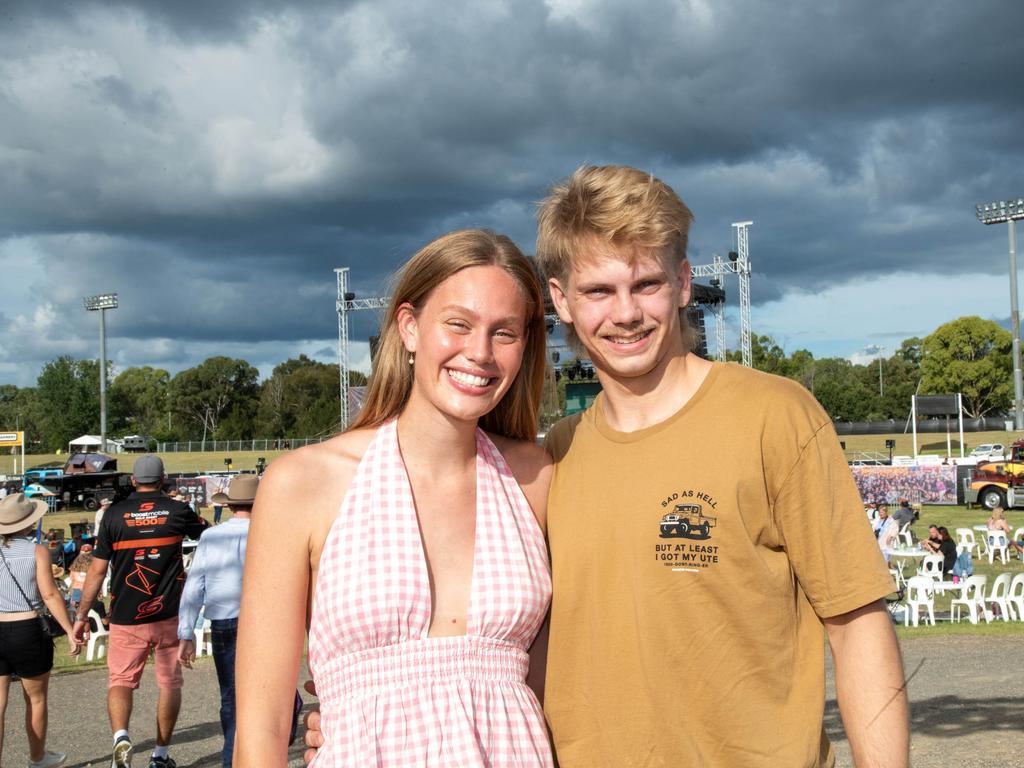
(417, 564)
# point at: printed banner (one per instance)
(919, 485)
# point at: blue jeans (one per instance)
(224, 636)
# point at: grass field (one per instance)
(930, 443)
(173, 462)
(959, 517)
(214, 460)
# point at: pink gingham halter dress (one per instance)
(389, 695)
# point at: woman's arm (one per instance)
(272, 622)
(51, 596)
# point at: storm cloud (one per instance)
(213, 163)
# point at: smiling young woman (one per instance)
(412, 545)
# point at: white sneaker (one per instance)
(50, 760)
(122, 757)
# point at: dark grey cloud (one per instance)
(232, 154)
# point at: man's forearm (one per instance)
(870, 687)
(90, 591)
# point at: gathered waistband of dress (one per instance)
(426, 660)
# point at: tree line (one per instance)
(223, 399)
(967, 355)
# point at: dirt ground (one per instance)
(966, 692)
(966, 703)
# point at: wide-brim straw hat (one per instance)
(18, 512)
(242, 490)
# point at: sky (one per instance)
(213, 163)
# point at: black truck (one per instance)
(87, 479)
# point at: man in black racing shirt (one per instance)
(140, 539)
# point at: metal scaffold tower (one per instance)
(743, 270)
(738, 264)
(347, 302)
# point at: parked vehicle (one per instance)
(85, 480)
(988, 452)
(991, 479)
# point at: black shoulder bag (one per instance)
(47, 623)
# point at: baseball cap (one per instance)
(148, 469)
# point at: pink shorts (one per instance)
(128, 648)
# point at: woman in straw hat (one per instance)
(26, 583)
(413, 543)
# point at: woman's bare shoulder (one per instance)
(317, 471)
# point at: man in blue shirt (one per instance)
(214, 585)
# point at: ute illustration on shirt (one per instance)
(687, 521)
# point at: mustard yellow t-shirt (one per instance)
(692, 564)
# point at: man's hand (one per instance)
(186, 653)
(74, 647)
(80, 631)
(314, 737)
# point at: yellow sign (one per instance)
(8, 439)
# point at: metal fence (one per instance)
(228, 446)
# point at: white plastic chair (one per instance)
(972, 597)
(1015, 596)
(997, 597)
(905, 534)
(920, 594)
(96, 648)
(931, 566)
(997, 545)
(204, 643)
(966, 542)
(898, 577)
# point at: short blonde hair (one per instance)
(390, 385)
(614, 204)
(622, 206)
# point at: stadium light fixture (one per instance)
(101, 303)
(996, 213)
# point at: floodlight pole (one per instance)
(995, 213)
(103, 380)
(1018, 388)
(101, 304)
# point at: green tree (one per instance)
(765, 355)
(139, 397)
(840, 388)
(19, 410)
(910, 351)
(301, 398)
(218, 389)
(900, 377)
(68, 395)
(971, 356)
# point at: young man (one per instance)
(141, 536)
(703, 525)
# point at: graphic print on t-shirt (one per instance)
(689, 521)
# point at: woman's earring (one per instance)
(412, 359)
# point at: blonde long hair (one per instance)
(390, 385)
